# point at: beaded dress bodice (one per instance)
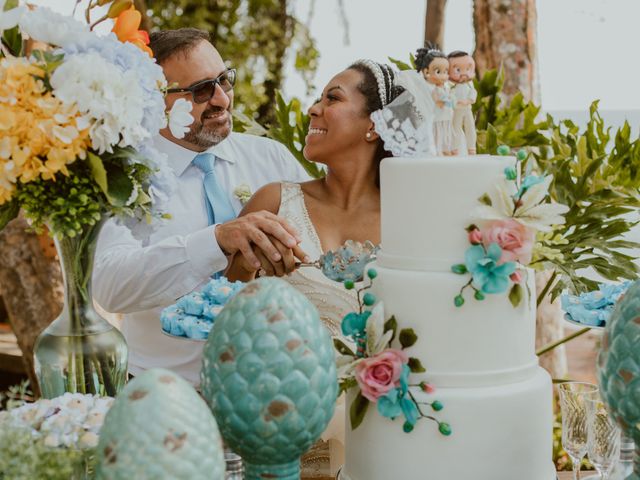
(331, 299)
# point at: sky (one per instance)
(587, 49)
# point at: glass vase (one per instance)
(80, 352)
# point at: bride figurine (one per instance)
(434, 67)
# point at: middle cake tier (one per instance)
(485, 342)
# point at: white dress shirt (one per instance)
(139, 278)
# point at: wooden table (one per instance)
(561, 476)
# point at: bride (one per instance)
(344, 205)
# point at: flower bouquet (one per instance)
(53, 439)
(512, 221)
(77, 111)
(379, 371)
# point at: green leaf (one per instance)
(358, 410)
(342, 348)
(119, 184)
(12, 39)
(346, 384)
(407, 337)
(515, 295)
(400, 64)
(391, 324)
(459, 268)
(8, 211)
(415, 365)
(98, 171)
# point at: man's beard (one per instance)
(202, 136)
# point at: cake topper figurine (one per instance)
(462, 70)
(434, 67)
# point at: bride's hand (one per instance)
(287, 264)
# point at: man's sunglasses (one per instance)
(204, 90)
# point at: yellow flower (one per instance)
(40, 135)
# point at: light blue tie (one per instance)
(219, 209)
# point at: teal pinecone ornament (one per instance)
(159, 428)
(269, 375)
(619, 368)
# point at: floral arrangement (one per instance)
(53, 439)
(504, 239)
(243, 193)
(379, 371)
(192, 316)
(76, 113)
(594, 308)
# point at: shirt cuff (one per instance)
(205, 255)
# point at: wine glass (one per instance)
(603, 437)
(573, 406)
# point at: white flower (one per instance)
(531, 211)
(243, 193)
(10, 18)
(180, 118)
(45, 25)
(346, 365)
(377, 339)
(72, 420)
(110, 100)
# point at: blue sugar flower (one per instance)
(396, 402)
(528, 182)
(488, 276)
(354, 324)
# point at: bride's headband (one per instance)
(381, 74)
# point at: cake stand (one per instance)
(187, 339)
(624, 467)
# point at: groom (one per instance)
(138, 274)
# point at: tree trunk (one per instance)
(434, 22)
(506, 37)
(273, 81)
(549, 328)
(30, 285)
(145, 23)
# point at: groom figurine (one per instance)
(137, 273)
(462, 70)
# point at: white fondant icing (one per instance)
(499, 433)
(427, 204)
(480, 357)
(484, 342)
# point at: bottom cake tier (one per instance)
(499, 433)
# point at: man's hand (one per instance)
(263, 230)
(288, 262)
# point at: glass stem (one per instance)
(575, 462)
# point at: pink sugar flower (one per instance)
(379, 374)
(475, 236)
(514, 238)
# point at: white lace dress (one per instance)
(331, 299)
(333, 302)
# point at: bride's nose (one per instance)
(314, 110)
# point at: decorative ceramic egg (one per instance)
(269, 376)
(619, 368)
(160, 428)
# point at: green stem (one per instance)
(551, 346)
(546, 288)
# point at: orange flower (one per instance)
(126, 29)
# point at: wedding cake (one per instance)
(480, 356)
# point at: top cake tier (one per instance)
(427, 204)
